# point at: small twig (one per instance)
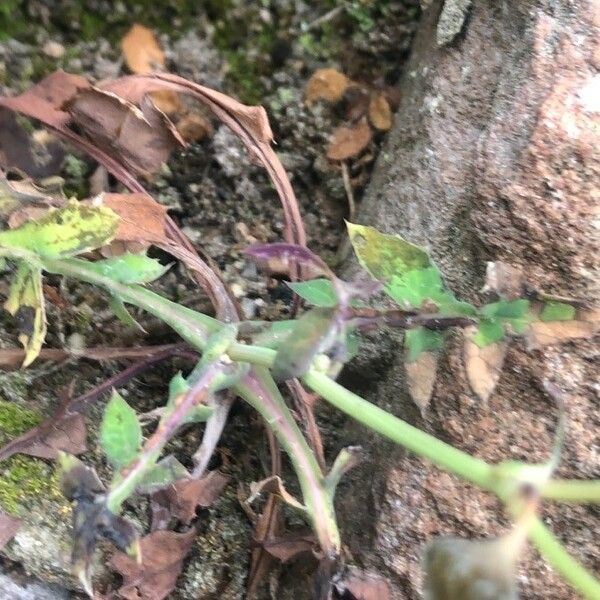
(328, 16)
(349, 191)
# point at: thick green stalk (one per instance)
(194, 328)
(572, 490)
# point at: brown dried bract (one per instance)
(380, 113)
(420, 378)
(326, 84)
(483, 365)
(348, 142)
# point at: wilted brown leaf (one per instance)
(273, 485)
(61, 432)
(326, 84)
(420, 378)
(183, 497)
(483, 365)
(347, 142)
(143, 137)
(355, 102)
(546, 333)
(8, 528)
(363, 586)
(142, 219)
(380, 113)
(163, 553)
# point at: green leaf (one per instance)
(507, 309)
(67, 231)
(488, 332)
(163, 473)
(120, 432)
(26, 303)
(318, 292)
(130, 268)
(177, 387)
(557, 311)
(415, 286)
(385, 256)
(421, 340)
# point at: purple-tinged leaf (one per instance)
(286, 258)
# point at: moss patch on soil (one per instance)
(22, 478)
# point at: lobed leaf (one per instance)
(67, 231)
(120, 432)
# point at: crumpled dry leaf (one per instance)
(8, 528)
(380, 113)
(420, 378)
(143, 55)
(163, 553)
(142, 137)
(483, 366)
(547, 333)
(141, 218)
(326, 84)
(273, 485)
(287, 547)
(23, 195)
(183, 497)
(359, 585)
(63, 431)
(348, 142)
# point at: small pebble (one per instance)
(53, 49)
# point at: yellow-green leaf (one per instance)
(67, 231)
(385, 256)
(26, 303)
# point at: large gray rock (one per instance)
(494, 156)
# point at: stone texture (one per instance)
(494, 156)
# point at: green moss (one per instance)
(23, 480)
(15, 420)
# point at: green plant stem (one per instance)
(572, 490)
(195, 328)
(557, 557)
(443, 455)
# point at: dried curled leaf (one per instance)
(163, 553)
(504, 280)
(26, 303)
(348, 142)
(483, 365)
(547, 333)
(380, 113)
(420, 378)
(326, 84)
(143, 137)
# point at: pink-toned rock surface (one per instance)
(494, 156)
